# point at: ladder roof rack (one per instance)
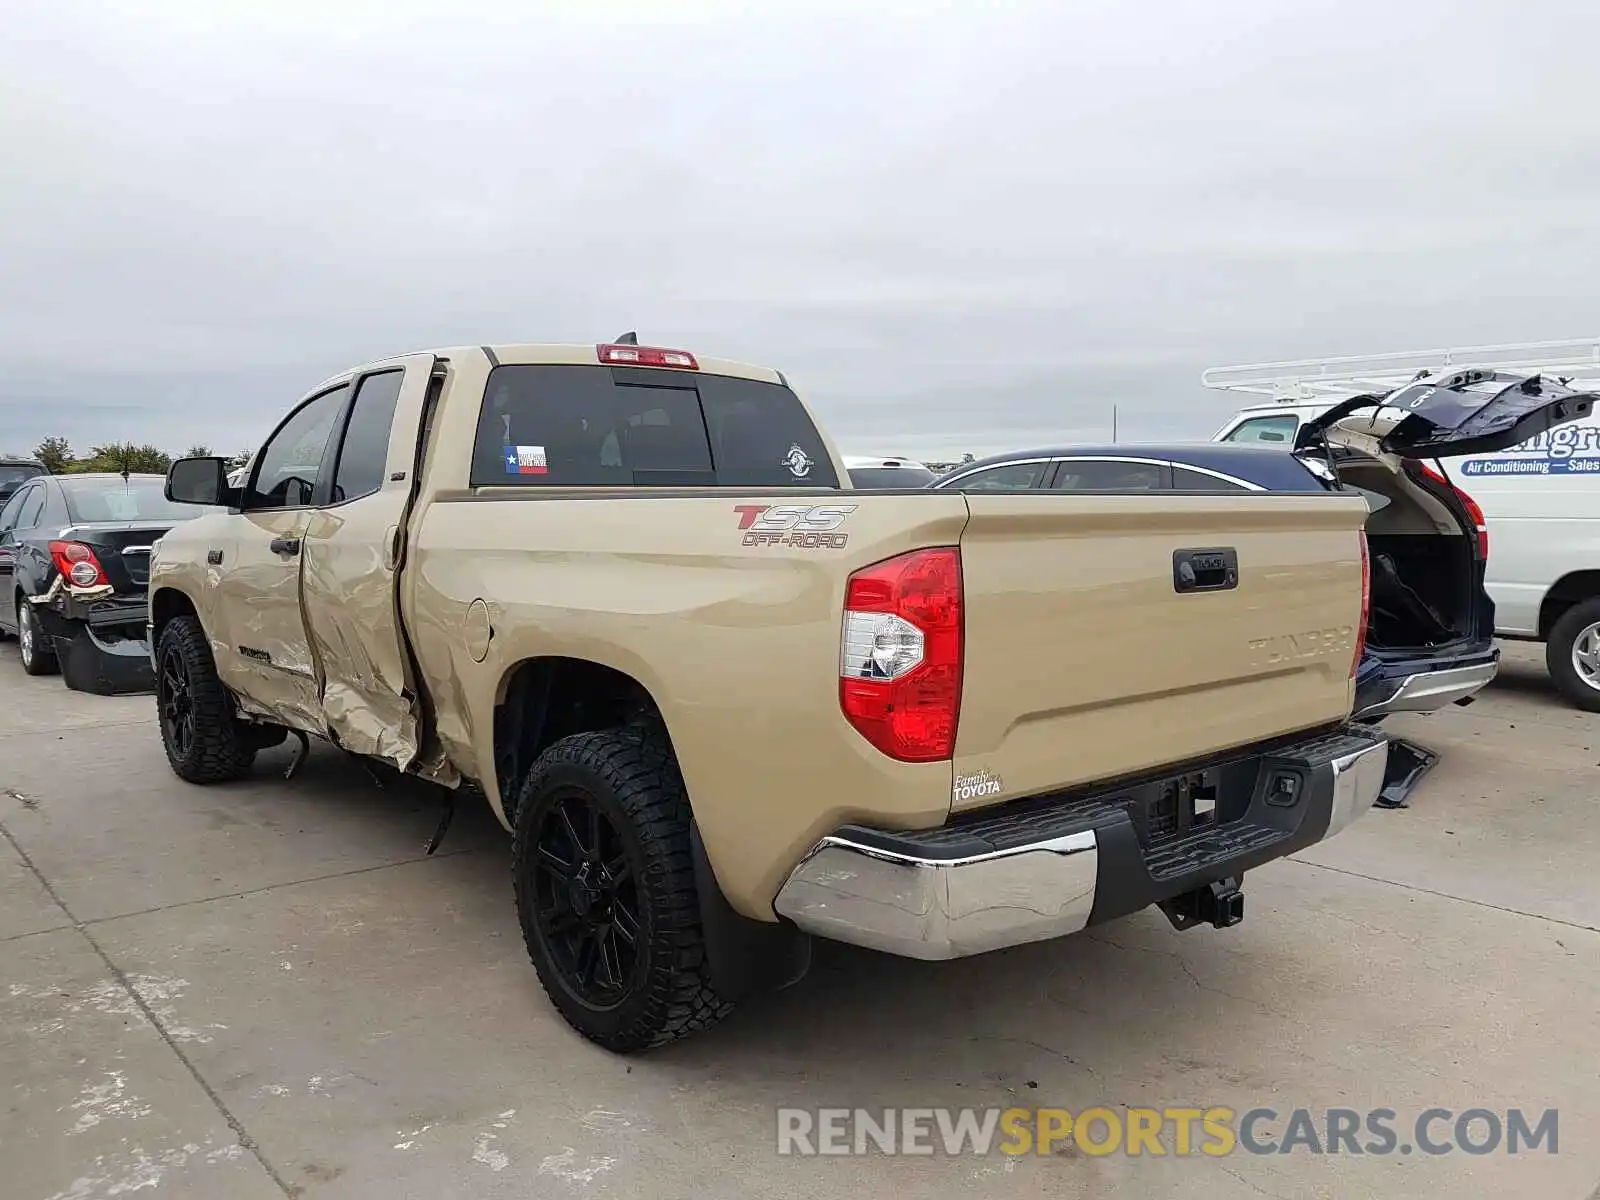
(1333, 378)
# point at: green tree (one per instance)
(125, 456)
(55, 454)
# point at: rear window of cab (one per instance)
(565, 425)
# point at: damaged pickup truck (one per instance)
(725, 704)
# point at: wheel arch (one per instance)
(1570, 590)
(167, 603)
(543, 699)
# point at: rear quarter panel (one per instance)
(738, 645)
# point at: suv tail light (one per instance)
(645, 356)
(1474, 511)
(900, 654)
(1366, 606)
(78, 563)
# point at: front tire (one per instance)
(202, 738)
(38, 653)
(1572, 655)
(605, 890)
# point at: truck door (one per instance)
(267, 656)
(352, 551)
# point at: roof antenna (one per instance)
(628, 339)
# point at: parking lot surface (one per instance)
(266, 990)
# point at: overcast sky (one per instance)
(955, 226)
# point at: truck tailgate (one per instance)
(1085, 661)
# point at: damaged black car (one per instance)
(74, 569)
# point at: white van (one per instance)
(1540, 499)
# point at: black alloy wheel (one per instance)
(175, 701)
(586, 899)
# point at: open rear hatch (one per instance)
(1427, 537)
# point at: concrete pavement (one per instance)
(265, 990)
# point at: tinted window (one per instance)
(32, 506)
(1265, 429)
(364, 454)
(8, 514)
(890, 477)
(290, 461)
(1186, 480)
(116, 499)
(761, 435)
(1007, 478)
(581, 426)
(17, 472)
(1091, 475)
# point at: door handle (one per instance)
(1205, 570)
(289, 546)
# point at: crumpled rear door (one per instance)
(352, 552)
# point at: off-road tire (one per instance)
(633, 774)
(218, 751)
(31, 631)
(1558, 654)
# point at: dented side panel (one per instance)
(352, 552)
(735, 637)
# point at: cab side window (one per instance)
(364, 453)
(288, 467)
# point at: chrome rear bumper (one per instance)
(881, 890)
(1428, 691)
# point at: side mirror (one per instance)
(199, 481)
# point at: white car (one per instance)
(1540, 500)
(886, 472)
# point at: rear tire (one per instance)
(1572, 654)
(601, 846)
(38, 652)
(203, 740)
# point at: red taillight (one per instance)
(1474, 511)
(78, 564)
(900, 654)
(646, 356)
(1366, 606)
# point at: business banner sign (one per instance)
(1565, 450)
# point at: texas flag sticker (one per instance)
(526, 460)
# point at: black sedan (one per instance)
(74, 565)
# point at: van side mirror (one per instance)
(200, 481)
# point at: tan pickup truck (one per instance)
(726, 704)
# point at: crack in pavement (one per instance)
(1412, 887)
(239, 1131)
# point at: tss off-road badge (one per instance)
(808, 526)
(797, 461)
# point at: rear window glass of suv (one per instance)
(884, 478)
(580, 426)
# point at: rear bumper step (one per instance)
(1041, 868)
